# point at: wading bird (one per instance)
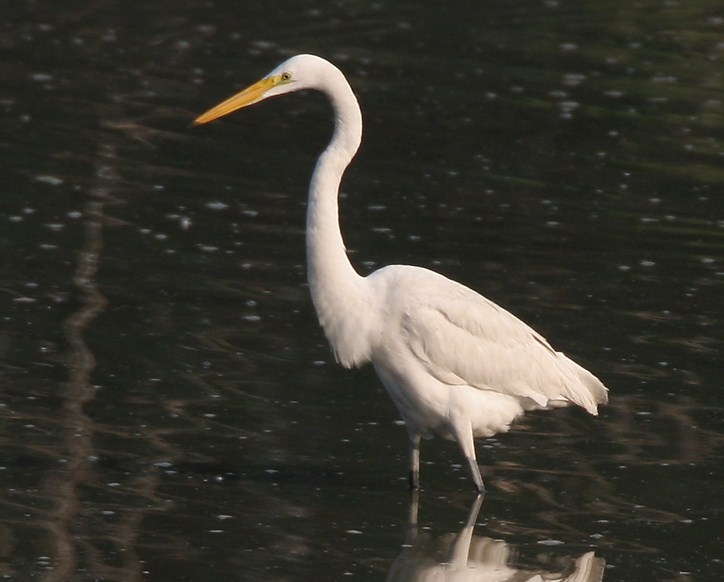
(455, 364)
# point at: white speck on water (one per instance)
(50, 180)
(573, 79)
(41, 77)
(551, 542)
(24, 299)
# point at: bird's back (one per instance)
(458, 337)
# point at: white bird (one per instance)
(455, 364)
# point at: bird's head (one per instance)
(299, 72)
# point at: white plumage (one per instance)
(455, 363)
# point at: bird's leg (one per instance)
(414, 452)
(463, 433)
(475, 470)
(412, 531)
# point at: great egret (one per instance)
(455, 363)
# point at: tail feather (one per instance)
(586, 390)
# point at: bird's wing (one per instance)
(463, 338)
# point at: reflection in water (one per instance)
(69, 545)
(79, 451)
(463, 556)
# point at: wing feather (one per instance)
(463, 338)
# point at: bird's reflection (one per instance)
(463, 556)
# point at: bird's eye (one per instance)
(286, 77)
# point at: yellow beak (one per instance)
(248, 96)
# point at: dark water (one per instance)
(170, 409)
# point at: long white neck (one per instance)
(338, 291)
